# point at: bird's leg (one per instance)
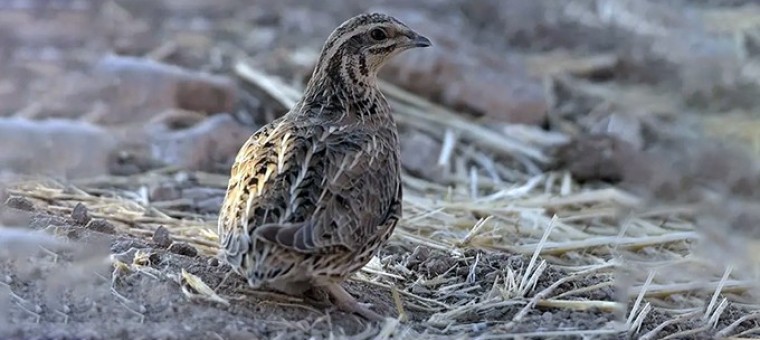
(346, 302)
(226, 277)
(318, 296)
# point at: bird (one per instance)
(314, 194)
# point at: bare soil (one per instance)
(66, 296)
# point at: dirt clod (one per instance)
(417, 257)
(79, 215)
(438, 264)
(102, 226)
(181, 248)
(20, 203)
(162, 238)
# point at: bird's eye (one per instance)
(378, 34)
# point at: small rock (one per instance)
(418, 256)
(20, 203)
(80, 215)
(419, 289)
(182, 248)
(161, 237)
(102, 226)
(154, 259)
(213, 262)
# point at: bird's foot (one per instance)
(346, 302)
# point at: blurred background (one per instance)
(114, 69)
(643, 111)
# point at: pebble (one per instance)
(181, 248)
(419, 289)
(162, 238)
(154, 259)
(419, 255)
(80, 215)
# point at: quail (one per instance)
(314, 194)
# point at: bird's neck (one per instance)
(342, 85)
(341, 71)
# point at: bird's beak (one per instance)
(421, 41)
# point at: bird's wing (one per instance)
(256, 172)
(346, 190)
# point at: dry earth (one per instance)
(568, 190)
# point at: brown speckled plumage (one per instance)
(314, 194)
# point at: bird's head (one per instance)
(361, 45)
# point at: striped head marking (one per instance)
(365, 42)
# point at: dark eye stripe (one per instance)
(382, 49)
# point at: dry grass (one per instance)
(497, 199)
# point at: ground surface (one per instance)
(494, 242)
(154, 305)
(67, 289)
